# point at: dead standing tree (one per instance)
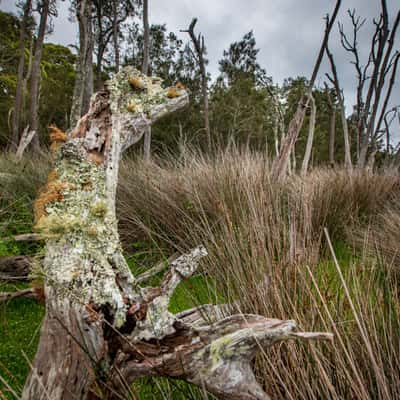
(334, 79)
(102, 330)
(200, 49)
(280, 163)
(372, 85)
(310, 138)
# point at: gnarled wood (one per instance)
(102, 330)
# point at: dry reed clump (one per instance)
(265, 242)
(382, 234)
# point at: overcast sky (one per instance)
(288, 32)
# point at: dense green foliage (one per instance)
(57, 81)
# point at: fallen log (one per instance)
(15, 268)
(102, 330)
(24, 237)
(30, 293)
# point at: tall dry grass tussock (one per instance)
(268, 254)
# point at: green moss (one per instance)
(99, 209)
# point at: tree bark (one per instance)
(83, 88)
(101, 329)
(310, 138)
(20, 78)
(35, 78)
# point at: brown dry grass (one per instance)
(267, 251)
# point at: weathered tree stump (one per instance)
(101, 329)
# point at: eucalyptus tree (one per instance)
(18, 102)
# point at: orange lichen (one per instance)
(51, 192)
(57, 138)
(136, 83)
(96, 157)
(57, 135)
(175, 91)
(131, 107)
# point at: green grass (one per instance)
(20, 321)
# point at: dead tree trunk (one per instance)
(280, 163)
(339, 94)
(332, 126)
(200, 49)
(35, 79)
(102, 330)
(310, 138)
(16, 125)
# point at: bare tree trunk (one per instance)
(35, 79)
(310, 138)
(102, 330)
(199, 46)
(26, 139)
(83, 88)
(145, 70)
(339, 94)
(279, 165)
(115, 34)
(20, 78)
(347, 151)
(147, 144)
(146, 37)
(332, 127)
